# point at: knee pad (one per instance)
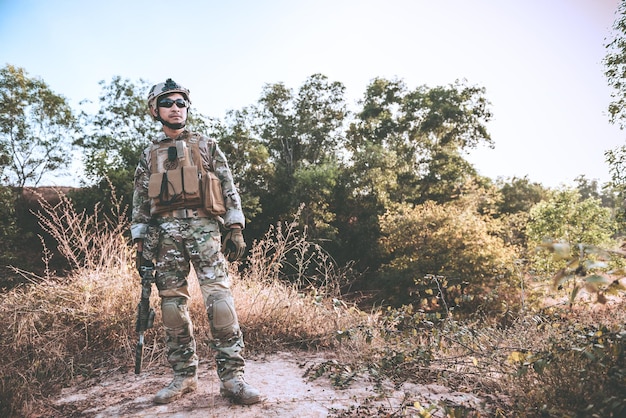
(175, 313)
(222, 317)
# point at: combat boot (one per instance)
(239, 391)
(178, 387)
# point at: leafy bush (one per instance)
(450, 240)
(568, 219)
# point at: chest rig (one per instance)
(179, 179)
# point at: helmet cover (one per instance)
(162, 89)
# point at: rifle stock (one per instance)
(145, 314)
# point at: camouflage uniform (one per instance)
(174, 242)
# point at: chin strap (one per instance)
(171, 125)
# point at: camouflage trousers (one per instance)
(197, 242)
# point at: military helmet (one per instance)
(161, 89)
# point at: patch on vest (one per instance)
(170, 165)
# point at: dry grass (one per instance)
(570, 362)
(59, 330)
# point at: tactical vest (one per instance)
(179, 180)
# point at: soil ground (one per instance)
(280, 377)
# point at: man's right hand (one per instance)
(139, 260)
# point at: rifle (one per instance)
(145, 314)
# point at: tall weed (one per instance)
(61, 329)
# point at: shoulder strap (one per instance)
(153, 158)
(194, 142)
(212, 148)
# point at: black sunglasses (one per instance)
(169, 103)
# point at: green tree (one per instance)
(113, 140)
(425, 132)
(616, 159)
(615, 72)
(516, 197)
(303, 135)
(615, 66)
(115, 136)
(406, 146)
(519, 195)
(248, 158)
(36, 126)
(592, 189)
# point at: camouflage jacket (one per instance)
(141, 201)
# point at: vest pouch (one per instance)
(191, 183)
(213, 200)
(154, 185)
(174, 182)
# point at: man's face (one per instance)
(174, 113)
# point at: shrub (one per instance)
(568, 219)
(450, 240)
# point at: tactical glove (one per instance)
(234, 246)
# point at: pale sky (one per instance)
(539, 60)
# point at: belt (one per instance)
(186, 213)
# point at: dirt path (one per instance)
(279, 377)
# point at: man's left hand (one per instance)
(234, 245)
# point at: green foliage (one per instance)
(592, 268)
(519, 195)
(315, 184)
(590, 188)
(117, 134)
(112, 142)
(615, 66)
(405, 146)
(565, 218)
(616, 159)
(35, 127)
(248, 158)
(424, 132)
(298, 134)
(303, 129)
(9, 230)
(615, 72)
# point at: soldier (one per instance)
(175, 197)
